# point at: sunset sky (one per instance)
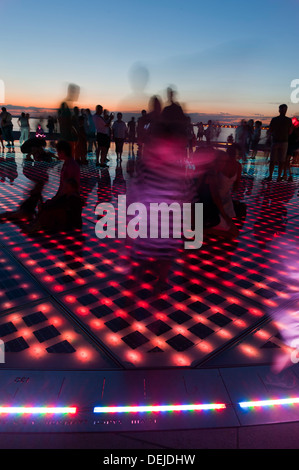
(222, 56)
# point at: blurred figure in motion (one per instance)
(36, 170)
(65, 116)
(286, 317)
(160, 179)
(293, 146)
(24, 128)
(63, 211)
(256, 137)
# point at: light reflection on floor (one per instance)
(64, 302)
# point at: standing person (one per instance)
(132, 134)
(103, 138)
(293, 146)
(90, 132)
(108, 118)
(280, 129)
(141, 131)
(119, 132)
(24, 128)
(7, 126)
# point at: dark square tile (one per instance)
(267, 294)
(196, 288)
(101, 311)
(201, 331)
(7, 329)
(215, 299)
(117, 324)
(220, 319)
(180, 343)
(64, 347)
(65, 279)
(161, 304)
(124, 302)
(245, 284)
(15, 293)
(88, 299)
(140, 313)
(198, 307)
(46, 333)
(179, 316)
(180, 296)
(135, 340)
(16, 345)
(34, 318)
(86, 273)
(236, 310)
(109, 291)
(158, 327)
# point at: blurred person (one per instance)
(256, 137)
(24, 128)
(214, 189)
(63, 211)
(293, 146)
(159, 179)
(250, 131)
(36, 170)
(241, 135)
(280, 129)
(65, 117)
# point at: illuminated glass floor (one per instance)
(65, 304)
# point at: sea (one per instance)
(226, 130)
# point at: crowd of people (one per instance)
(166, 141)
(216, 173)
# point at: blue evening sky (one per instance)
(222, 56)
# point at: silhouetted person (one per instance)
(131, 134)
(119, 131)
(7, 127)
(280, 129)
(103, 137)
